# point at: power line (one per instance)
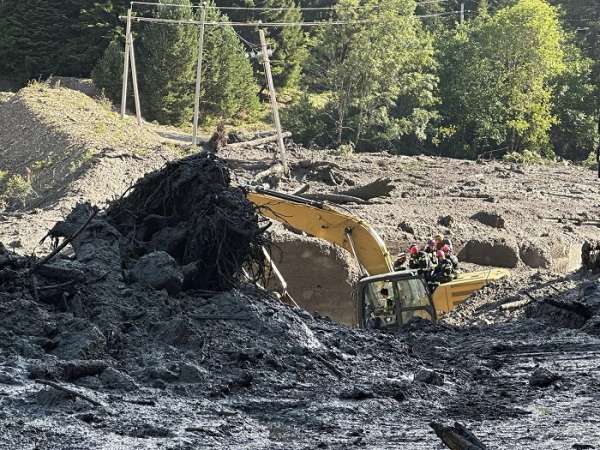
(308, 8)
(274, 24)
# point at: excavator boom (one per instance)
(322, 221)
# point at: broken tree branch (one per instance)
(335, 198)
(66, 242)
(255, 142)
(560, 194)
(272, 175)
(457, 437)
(69, 391)
(378, 188)
(305, 188)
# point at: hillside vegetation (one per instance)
(406, 76)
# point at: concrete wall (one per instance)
(319, 276)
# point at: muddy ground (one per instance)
(237, 369)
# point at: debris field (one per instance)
(138, 339)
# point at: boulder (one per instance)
(446, 221)
(491, 252)
(490, 219)
(114, 379)
(535, 256)
(160, 271)
(429, 377)
(542, 378)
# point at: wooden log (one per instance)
(272, 175)
(457, 437)
(255, 142)
(69, 391)
(305, 188)
(378, 188)
(335, 198)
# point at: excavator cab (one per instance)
(392, 300)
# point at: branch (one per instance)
(66, 242)
(378, 188)
(256, 142)
(72, 392)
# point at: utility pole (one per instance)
(273, 98)
(136, 92)
(126, 65)
(198, 76)
(462, 13)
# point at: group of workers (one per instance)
(435, 261)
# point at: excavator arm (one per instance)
(322, 221)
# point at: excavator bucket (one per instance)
(449, 295)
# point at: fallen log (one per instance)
(305, 188)
(71, 392)
(335, 198)
(272, 175)
(378, 188)
(255, 142)
(457, 437)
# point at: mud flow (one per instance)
(148, 331)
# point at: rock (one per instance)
(9, 375)
(191, 373)
(73, 370)
(592, 326)
(534, 256)
(566, 314)
(114, 379)
(406, 227)
(161, 373)
(446, 221)
(542, 378)
(429, 377)
(356, 393)
(493, 252)
(79, 340)
(489, 219)
(160, 271)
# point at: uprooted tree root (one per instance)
(190, 210)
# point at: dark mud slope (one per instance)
(136, 343)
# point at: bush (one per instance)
(591, 162)
(14, 190)
(108, 71)
(527, 157)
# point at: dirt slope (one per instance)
(71, 148)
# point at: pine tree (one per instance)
(33, 33)
(166, 56)
(108, 71)
(229, 89)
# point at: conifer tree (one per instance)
(166, 56)
(229, 89)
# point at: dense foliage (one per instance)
(515, 77)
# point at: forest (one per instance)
(503, 78)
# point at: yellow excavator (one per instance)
(383, 298)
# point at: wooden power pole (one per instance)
(126, 65)
(198, 76)
(273, 98)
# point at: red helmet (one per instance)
(446, 248)
(440, 254)
(413, 250)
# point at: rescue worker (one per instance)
(451, 256)
(413, 261)
(444, 271)
(440, 241)
(385, 296)
(401, 262)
